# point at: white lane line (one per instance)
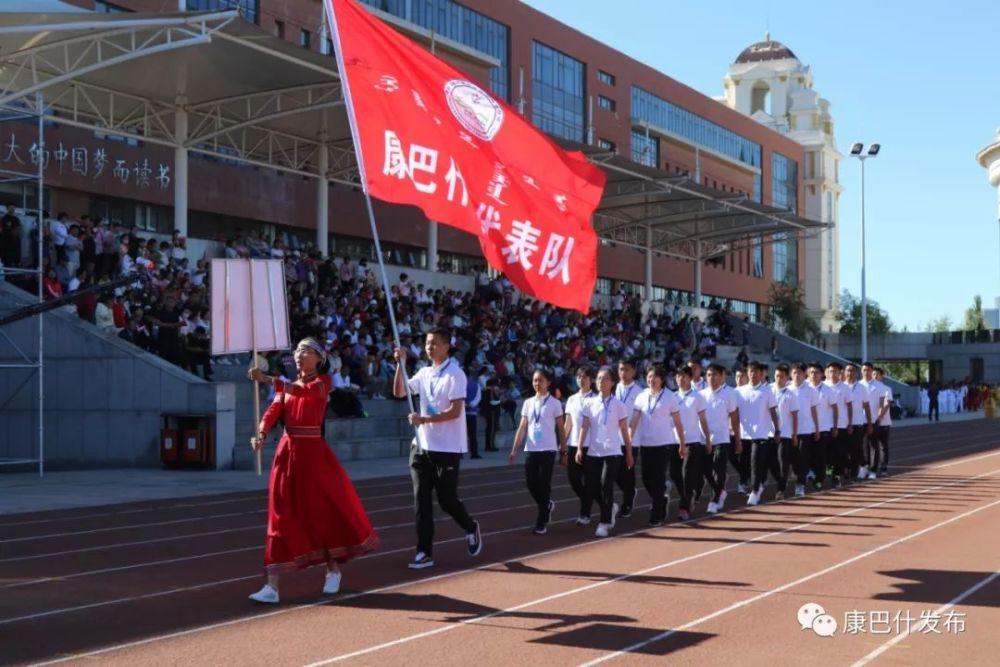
(923, 622)
(955, 463)
(784, 587)
(606, 582)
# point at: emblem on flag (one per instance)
(474, 108)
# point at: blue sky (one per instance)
(922, 79)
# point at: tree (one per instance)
(974, 320)
(788, 310)
(849, 316)
(942, 324)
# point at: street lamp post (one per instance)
(857, 150)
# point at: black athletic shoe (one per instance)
(474, 541)
(540, 529)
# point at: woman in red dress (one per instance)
(314, 515)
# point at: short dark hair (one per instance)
(684, 370)
(800, 367)
(835, 364)
(818, 366)
(658, 371)
(625, 361)
(757, 366)
(868, 364)
(879, 369)
(588, 371)
(442, 333)
(545, 374)
(782, 368)
(717, 368)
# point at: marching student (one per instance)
(542, 427)
(876, 402)
(627, 392)
(759, 419)
(723, 416)
(826, 425)
(880, 454)
(836, 454)
(314, 515)
(574, 418)
(860, 427)
(741, 460)
(788, 421)
(808, 422)
(697, 441)
(655, 427)
(607, 417)
(437, 450)
(697, 381)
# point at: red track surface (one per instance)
(166, 582)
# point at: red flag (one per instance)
(433, 138)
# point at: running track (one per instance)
(166, 582)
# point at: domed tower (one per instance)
(771, 85)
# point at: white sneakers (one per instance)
(583, 520)
(754, 498)
(722, 500)
(863, 472)
(872, 475)
(604, 529)
(266, 595)
(332, 584)
(713, 507)
(614, 514)
(800, 490)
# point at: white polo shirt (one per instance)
(841, 393)
(437, 388)
(628, 394)
(541, 414)
(574, 409)
(604, 416)
(755, 410)
(788, 403)
(692, 405)
(827, 399)
(656, 418)
(720, 404)
(882, 390)
(699, 385)
(859, 397)
(808, 399)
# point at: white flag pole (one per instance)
(331, 15)
(253, 364)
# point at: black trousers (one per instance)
(626, 482)
(600, 473)
(802, 456)
(538, 474)
(471, 428)
(437, 472)
(492, 417)
(780, 461)
(933, 411)
(761, 453)
(879, 451)
(715, 469)
(855, 445)
(676, 466)
(741, 461)
(654, 479)
(817, 456)
(836, 452)
(692, 470)
(577, 481)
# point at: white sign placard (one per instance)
(248, 298)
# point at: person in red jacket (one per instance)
(314, 514)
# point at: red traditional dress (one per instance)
(314, 514)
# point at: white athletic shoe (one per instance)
(668, 489)
(800, 490)
(267, 595)
(753, 499)
(741, 488)
(863, 472)
(603, 530)
(332, 584)
(722, 500)
(712, 508)
(872, 475)
(583, 520)
(614, 514)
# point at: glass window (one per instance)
(249, 9)
(606, 103)
(757, 253)
(784, 182)
(645, 150)
(279, 29)
(663, 114)
(780, 257)
(108, 8)
(605, 78)
(607, 145)
(558, 91)
(603, 286)
(468, 27)
(305, 39)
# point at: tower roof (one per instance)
(766, 50)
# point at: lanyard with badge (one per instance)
(653, 404)
(624, 399)
(603, 431)
(432, 408)
(536, 419)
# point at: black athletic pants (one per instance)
(715, 469)
(879, 454)
(437, 472)
(654, 479)
(577, 481)
(600, 473)
(626, 482)
(692, 471)
(538, 474)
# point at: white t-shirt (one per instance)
(755, 410)
(692, 405)
(827, 399)
(699, 385)
(605, 416)
(841, 393)
(720, 403)
(808, 399)
(627, 394)
(437, 388)
(788, 403)
(574, 408)
(541, 415)
(859, 396)
(882, 390)
(656, 418)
